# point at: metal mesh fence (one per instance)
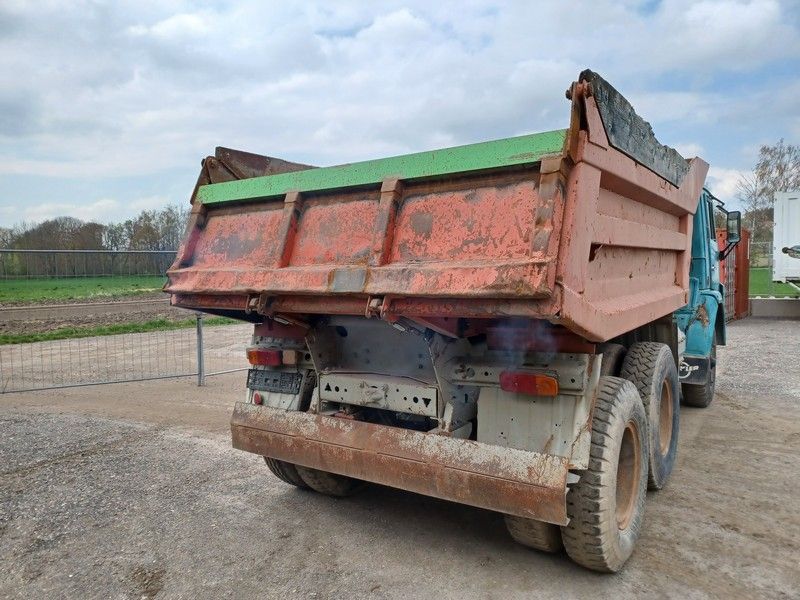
(762, 282)
(123, 357)
(29, 264)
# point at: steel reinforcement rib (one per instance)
(527, 484)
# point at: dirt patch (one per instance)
(149, 581)
(133, 309)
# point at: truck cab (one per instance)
(701, 323)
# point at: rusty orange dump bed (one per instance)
(587, 227)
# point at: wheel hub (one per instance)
(628, 474)
(665, 419)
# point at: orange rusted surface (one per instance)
(588, 239)
(526, 484)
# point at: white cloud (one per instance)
(148, 203)
(723, 183)
(689, 149)
(181, 25)
(102, 210)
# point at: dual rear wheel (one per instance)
(651, 368)
(633, 447)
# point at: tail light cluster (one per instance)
(270, 357)
(532, 384)
(265, 357)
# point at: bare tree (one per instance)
(777, 170)
(171, 225)
(778, 167)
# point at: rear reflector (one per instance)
(533, 384)
(264, 357)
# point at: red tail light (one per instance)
(533, 384)
(264, 357)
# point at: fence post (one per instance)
(201, 374)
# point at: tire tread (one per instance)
(285, 471)
(588, 502)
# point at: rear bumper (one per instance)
(526, 484)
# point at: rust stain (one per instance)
(527, 484)
(422, 224)
(702, 315)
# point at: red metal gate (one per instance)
(734, 273)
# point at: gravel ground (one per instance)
(133, 491)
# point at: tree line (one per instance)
(150, 230)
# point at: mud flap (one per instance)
(516, 482)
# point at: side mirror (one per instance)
(734, 226)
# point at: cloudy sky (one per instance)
(106, 108)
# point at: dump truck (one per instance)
(510, 324)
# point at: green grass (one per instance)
(65, 333)
(78, 288)
(761, 284)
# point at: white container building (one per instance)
(786, 234)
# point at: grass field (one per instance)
(761, 284)
(79, 288)
(64, 333)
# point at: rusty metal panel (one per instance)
(335, 231)
(472, 224)
(473, 238)
(527, 484)
(225, 241)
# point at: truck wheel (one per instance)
(285, 471)
(329, 484)
(612, 358)
(606, 505)
(651, 368)
(534, 534)
(700, 396)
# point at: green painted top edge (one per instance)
(433, 163)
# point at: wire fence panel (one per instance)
(31, 264)
(122, 357)
(225, 348)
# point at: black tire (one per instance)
(613, 355)
(538, 535)
(606, 505)
(700, 396)
(285, 471)
(650, 366)
(329, 484)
